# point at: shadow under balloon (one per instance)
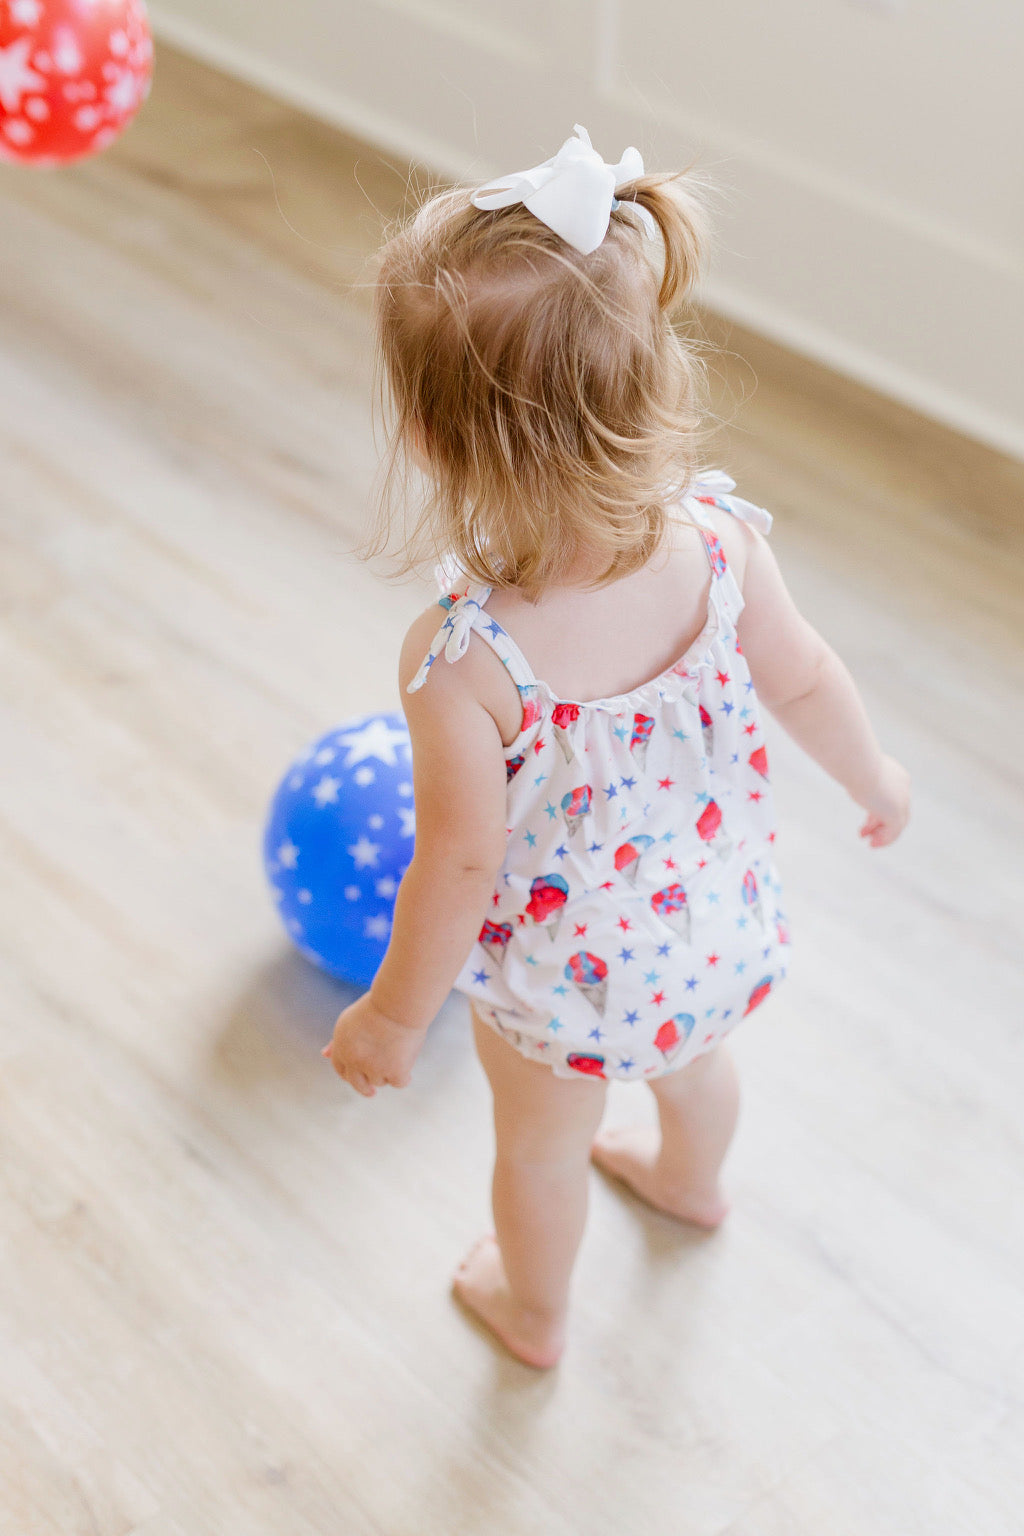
(272, 1033)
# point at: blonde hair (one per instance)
(553, 397)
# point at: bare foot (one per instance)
(480, 1285)
(631, 1154)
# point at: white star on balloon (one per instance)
(364, 852)
(386, 887)
(15, 75)
(124, 92)
(25, 12)
(326, 792)
(377, 928)
(377, 739)
(287, 854)
(66, 55)
(408, 820)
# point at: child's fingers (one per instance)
(327, 1049)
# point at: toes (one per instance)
(478, 1246)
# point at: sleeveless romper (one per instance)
(637, 913)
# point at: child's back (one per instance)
(636, 916)
(594, 861)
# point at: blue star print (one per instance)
(610, 882)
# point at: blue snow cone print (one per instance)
(338, 839)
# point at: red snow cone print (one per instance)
(674, 1033)
(576, 805)
(758, 995)
(590, 975)
(548, 896)
(513, 765)
(707, 730)
(563, 718)
(639, 741)
(782, 929)
(709, 829)
(531, 709)
(592, 1066)
(628, 856)
(494, 937)
(671, 906)
(758, 760)
(751, 897)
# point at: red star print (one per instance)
(625, 924)
(609, 885)
(713, 959)
(658, 999)
(581, 929)
(723, 677)
(701, 863)
(521, 917)
(665, 783)
(771, 837)
(539, 744)
(670, 863)
(739, 649)
(495, 898)
(755, 794)
(707, 1038)
(748, 730)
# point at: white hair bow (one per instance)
(573, 193)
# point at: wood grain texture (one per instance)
(223, 1300)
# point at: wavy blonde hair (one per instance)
(553, 397)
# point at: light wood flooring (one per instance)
(224, 1301)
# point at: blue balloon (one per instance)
(338, 839)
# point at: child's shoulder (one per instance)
(419, 642)
(737, 536)
(479, 678)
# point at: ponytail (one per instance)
(681, 217)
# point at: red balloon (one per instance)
(72, 74)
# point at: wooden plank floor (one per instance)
(223, 1299)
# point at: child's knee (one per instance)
(552, 1138)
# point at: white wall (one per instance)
(870, 152)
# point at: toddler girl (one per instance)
(594, 861)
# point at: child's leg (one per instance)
(544, 1125)
(675, 1166)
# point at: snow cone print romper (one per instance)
(637, 914)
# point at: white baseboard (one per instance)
(930, 321)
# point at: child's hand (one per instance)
(369, 1049)
(888, 804)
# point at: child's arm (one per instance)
(799, 677)
(459, 790)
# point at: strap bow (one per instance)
(459, 624)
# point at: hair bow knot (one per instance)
(573, 193)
